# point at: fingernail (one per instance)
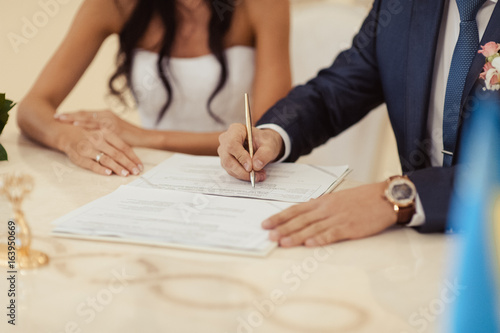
(135, 171)
(287, 241)
(108, 172)
(247, 167)
(56, 115)
(125, 173)
(75, 123)
(258, 164)
(311, 242)
(141, 167)
(274, 235)
(266, 224)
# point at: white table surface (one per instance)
(379, 284)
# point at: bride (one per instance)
(186, 62)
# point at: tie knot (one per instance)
(468, 9)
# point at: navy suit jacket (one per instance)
(391, 60)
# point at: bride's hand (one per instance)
(101, 151)
(92, 120)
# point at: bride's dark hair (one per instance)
(135, 27)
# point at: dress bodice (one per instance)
(193, 81)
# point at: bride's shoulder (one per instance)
(267, 15)
(110, 14)
(265, 10)
(264, 5)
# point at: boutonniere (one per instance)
(491, 68)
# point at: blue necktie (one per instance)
(465, 50)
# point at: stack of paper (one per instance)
(191, 202)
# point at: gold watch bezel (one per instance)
(399, 181)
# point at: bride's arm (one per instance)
(175, 141)
(271, 24)
(95, 21)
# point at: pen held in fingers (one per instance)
(248, 118)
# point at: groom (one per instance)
(421, 59)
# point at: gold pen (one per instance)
(248, 117)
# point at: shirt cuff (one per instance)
(284, 136)
(418, 218)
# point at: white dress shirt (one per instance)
(448, 36)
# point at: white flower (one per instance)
(489, 75)
(496, 63)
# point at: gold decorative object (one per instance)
(15, 187)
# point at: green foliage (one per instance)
(3, 154)
(5, 106)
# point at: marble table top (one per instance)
(392, 282)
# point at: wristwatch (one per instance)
(401, 193)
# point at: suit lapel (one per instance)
(492, 34)
(424, 32)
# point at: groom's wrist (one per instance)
(285, 144)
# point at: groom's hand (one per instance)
(235, 158)
(350, 214)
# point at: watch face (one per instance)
(401, 192)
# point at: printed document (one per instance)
(290, 182)
(178, 219)
(190, 202)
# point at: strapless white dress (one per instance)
(193, 81)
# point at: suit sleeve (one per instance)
(340, 96)
(336, 99)
(434, 187)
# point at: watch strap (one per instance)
(404, 214)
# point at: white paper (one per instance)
(290, 182)
(174, 205)
(179, 219)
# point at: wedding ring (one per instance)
(98, 157)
